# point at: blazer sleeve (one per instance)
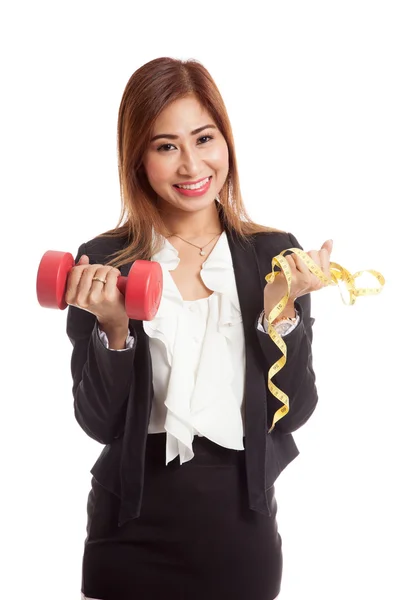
(296, 378)
(101, 378)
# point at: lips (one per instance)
(196, 192)
(193, 182)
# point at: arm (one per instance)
(297, 377)
(101, 376)
(283, 327)
(126, 342)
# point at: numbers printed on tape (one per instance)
(338, 274)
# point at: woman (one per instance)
(182, 503)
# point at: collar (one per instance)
(216, 271)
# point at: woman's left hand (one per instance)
(303, 280)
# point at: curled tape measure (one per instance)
(338, 274)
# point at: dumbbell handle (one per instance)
(121, 283)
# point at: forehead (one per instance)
(182, 116)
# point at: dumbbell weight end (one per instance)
(142, 288)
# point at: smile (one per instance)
(195, 189)
(194, 186)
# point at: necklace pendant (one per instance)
(202, 253)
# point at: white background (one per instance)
(312, 90)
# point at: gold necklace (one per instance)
(201, 248)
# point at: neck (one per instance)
(191, 225)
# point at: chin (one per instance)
(189, 204)
(195, 204)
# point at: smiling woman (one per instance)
(182, 503)
(174, 130)
(195, 153)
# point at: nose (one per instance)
(190, 163)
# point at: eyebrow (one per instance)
(169, 136)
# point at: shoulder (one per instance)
(101, 248)
(267, 245)
(275, 240)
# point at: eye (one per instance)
(163, 147)
(210, 137)
(201, 140)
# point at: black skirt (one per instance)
(195, 539)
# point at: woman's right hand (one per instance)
(105, 301)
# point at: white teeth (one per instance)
(196, 186)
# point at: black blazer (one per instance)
(113, 391)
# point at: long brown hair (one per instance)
(149, 90)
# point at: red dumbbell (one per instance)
(142, 287)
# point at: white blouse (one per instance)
(198, 356)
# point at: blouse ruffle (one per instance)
(201, 402)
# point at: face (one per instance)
(188, 149)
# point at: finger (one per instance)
(315, 256)
(96, 289)
(316, 283)
(299, 263)
(324, 255)
(73, 282)
(110, 276)
(84, 285)
(322, 259)
(84, 260)
(291, 264)
(301, 273)
(328, 245)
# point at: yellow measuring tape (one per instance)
(338, 274)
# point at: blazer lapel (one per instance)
(248, 280)
(250, 293)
